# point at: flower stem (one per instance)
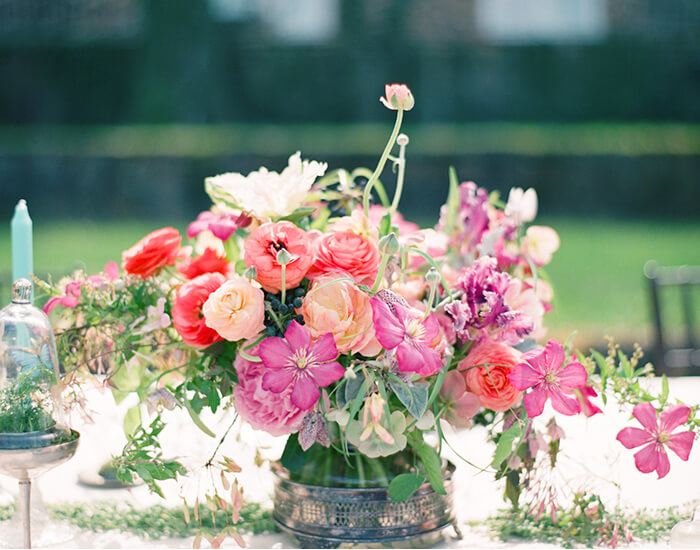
(401, 161)
(284, 283)
(382, 161)
(380, 273)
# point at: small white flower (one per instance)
(266, 194)
(522, 205)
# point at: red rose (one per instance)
(346, 252)
(485, 370)
(152, 252)
(208, 262)
(188, 319)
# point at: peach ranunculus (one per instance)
(485, 370)
(236, 310)
(540, 243)
(262, 246)
(346, 252)
(339, 307)
(154, 251)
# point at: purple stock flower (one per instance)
(472, 218)
(482, 311)
(221, 225)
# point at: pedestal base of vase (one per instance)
(327, 517)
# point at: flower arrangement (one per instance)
(311, 306)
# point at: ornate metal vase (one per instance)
(326, 517)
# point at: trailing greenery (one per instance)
(155, 521)
(588, 523)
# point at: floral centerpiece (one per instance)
(308, 303)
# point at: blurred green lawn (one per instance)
(597, 273)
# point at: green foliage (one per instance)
(24, 406)
(414, 396)
(504, 447)
(155, 521)
(403, 486)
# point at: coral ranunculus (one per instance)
(262, 409)
(346, 252)
(343, 310)
(262, 246)
(236, 310)
(188, 319)
(152, 252)
(485, 370)
(209, 262)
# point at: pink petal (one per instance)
(324, 349)
(535, 358)
(51, 304)
(275, 352)
(673, 417)
(523, 376)
(278, 380)
(467, 405)
(534, 401)
(431, 360)
(634, 437)
(554, 356)
(646, 414)
(681, 444)
(305, 393)
(432, 328)
(565, 404)
(453, 386)
(572, 376)
(647, 459)
(408, 358)
(326, 373)
(69, 301)
(663, 466)
(222, 229)
(387, 328)
(111, 269)
(297, 336)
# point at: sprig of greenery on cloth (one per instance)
(155, 521)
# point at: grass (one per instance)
(597, 273)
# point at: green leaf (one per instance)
(433, 466)
(357, 400)
(626, 366)
(504, 447)
(293, 455)
(404, 486)
(414, 397)
(132, 420)
(452, 202)
(437, 386)
(385, 225)
(197, 421)
(298, 214)
(352, 388)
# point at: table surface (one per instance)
(591, 459)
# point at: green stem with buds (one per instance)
(382, 162)
(401, 162)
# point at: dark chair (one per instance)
(673, 357)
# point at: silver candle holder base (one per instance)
(25, 464)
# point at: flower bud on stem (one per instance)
(283, 258)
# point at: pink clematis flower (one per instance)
(543, 370)
(294, 361)
(399, 327)
(588, 408)
(655, 435)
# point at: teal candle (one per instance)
(22, 251)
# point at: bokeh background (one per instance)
(112, 112)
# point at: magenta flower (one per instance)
(294, 362)
(399, 327)
(655, 435)
(71, 298)
(221, 225)
(472, 218)
(543, 371)
(588, 408)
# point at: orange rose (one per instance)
(236, 310)
(152, 252)
(485, 370)
(343, 310)
(262, 246)
(346, 252)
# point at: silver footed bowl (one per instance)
(28, 463)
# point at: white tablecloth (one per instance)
(593, 460)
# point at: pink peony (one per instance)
(485, 370)
(264, 410)
(343, 310)
(657, 435)
(262, 246)
(346, 252)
